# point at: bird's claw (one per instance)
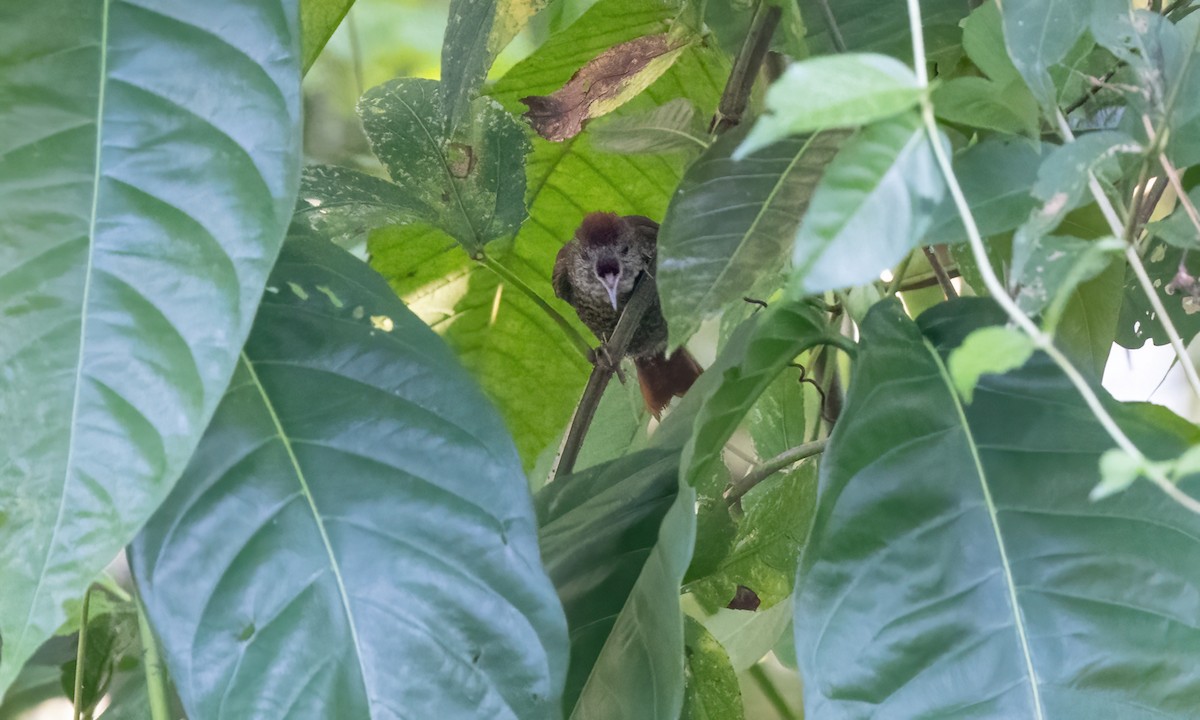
(602, 358)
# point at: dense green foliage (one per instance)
(320, 409)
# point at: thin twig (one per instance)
(1150, 200)
(835, 33)
(767, 468)
(1098, 84)
(746, 66)
(643, 297)
(930, 281)
(894, 286)
(939, 272)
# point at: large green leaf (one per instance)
(354, 530)
(1008, 593)
(872, 206)
(524, 361)
(616, 540)
(728, 229)
(150, 156)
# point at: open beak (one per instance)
(610, 284)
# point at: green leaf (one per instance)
(990, 350)
(750, 361)
(1177, 228)
(318, 20)
(356, 516)
(1139, 322)
(476, 32)
(873, 26)
(983, 41)
(995, 175)
(1088, 326)
(981, 103)
(728, 229)
(1054, 266)
(150, 164)
(344, 205)
(871, 208)
(36, 684)
(470, 186)
(1118, 470)
(712, 690)
(670, 127)
(767, 546)
(748, 636)
(1038, 35)
(110, 637)
(776, 420)
(832, 91)
(616, 540)
(975, 525)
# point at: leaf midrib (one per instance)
(83, 317)
(335, 567)
(990, 505)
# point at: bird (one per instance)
(595, 273)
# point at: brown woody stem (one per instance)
(746, 66)
(643, 296)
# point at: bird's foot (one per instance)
(602, 358)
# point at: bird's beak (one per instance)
(610, 284)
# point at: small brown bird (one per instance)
(595, 272)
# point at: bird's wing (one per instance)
(561, 277)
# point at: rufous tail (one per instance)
(663, 378)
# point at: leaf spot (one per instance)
(298, 291)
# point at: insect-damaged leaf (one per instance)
(602, 85)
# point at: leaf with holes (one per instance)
(356, 519)
(1009, 592)
(150, 156)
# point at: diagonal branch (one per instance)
(641, 300)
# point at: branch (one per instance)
(156, 684)
(767, 468)
(643, 297)
(746, 67)
(939, 272)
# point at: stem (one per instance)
(835, 33)
(1135, 260)
(643, 297)
(81, 654)
(508, 276)
(767, 468)
(771, 692)
(1040, 340)
(110, 585)
(746, 66)
(156, 687)
(894, 286)
(939, 272)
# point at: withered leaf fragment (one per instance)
(602, 85)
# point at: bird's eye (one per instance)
(624, 249)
